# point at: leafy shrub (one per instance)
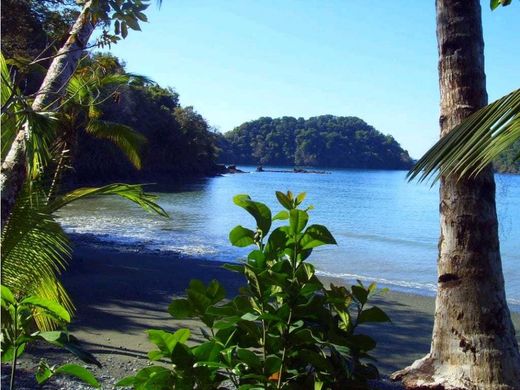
(18, 331)
(283, 330)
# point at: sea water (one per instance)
(386, 228)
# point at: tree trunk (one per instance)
(13, 172)
(473, 342)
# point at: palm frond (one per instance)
(138, 78)
(468, 148)
(113, 80)
(6, 86)
(127, 139)
(132, 192)
(34, 252)
(18, 114)
(42, 131)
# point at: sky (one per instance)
(238, 60)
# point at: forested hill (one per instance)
(509, 161)
(322, 141)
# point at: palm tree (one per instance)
(473, 341)
(125, 14)
(34, 247)
(80, 109)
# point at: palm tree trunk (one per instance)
(473, 341)
(13, 172)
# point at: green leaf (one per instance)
(43, 373)
(208, 351)
(256, 259)
(284, 200)
(70, 343)
(297, 220)
(493, 4)
(129, 381)
(142, 17)
(155, 355)
(374, 314)
(250, 317)
(49, 306)
(360, 294)
(259, 211)
(226, 322)
(282, 215)
(300, 198)
(241, 236)
(276, 242)
(272, 364)
(7, 295)
(215, 291)
(180, 309)
(249, 357)
(316, 235)
(124, 30)
(7, 354)
(79, 372)
(252, 278)
(132, 22)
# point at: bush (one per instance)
(283, 330)
(17, 332)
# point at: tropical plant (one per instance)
(283, 330)
(125, 14)
(17, 333)
(34, 247)
(472, 145)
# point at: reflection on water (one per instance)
(387, 229)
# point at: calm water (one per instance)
(386, 228)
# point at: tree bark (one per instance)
(14, 172)
(473, 341)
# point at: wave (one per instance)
(427, 288)
(386, 239)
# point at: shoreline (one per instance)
(119, 295)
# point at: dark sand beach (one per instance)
(119, 295)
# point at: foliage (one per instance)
(497, 3)
(509, 160)
(17, 333)
(91, 85)
(325, 141)
(17, 113)
(284, 329)
(35, 249)
(179, 140)
(481, 138)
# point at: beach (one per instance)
(120, 294)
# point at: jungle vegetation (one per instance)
(322, 141)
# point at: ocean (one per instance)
(386, 228)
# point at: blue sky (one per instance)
(238, 60)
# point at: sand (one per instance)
(119, 295)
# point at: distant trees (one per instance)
(179, 140)
(326, 141)
(119, 14)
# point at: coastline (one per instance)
(119, 295)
